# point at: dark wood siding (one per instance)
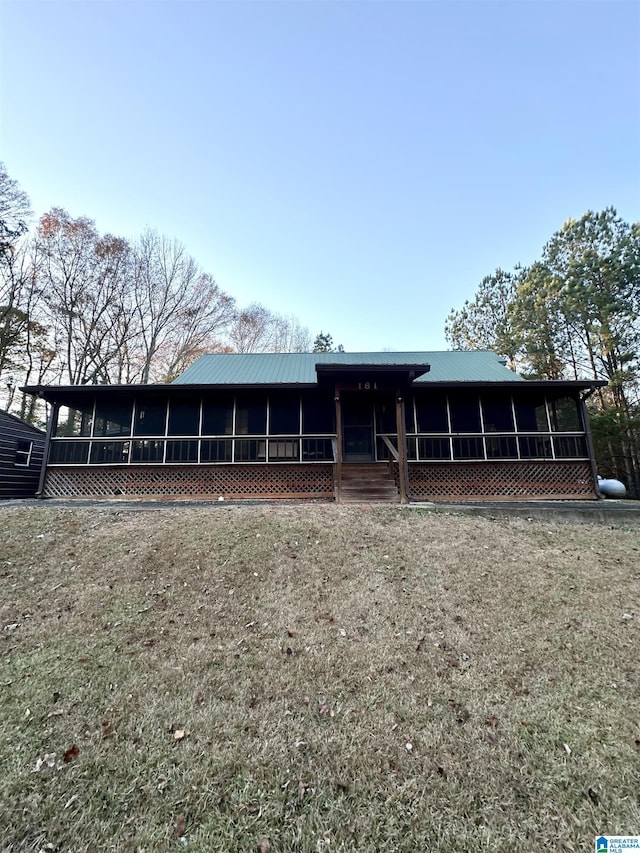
(21, 451)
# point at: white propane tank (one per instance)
(611, 488)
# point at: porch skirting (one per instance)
(501, 480)
(232, 482)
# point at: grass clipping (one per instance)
(315, 677)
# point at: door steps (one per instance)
(365, 482)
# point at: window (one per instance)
(23, 453)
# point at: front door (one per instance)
(357, 429)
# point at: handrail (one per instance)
(389, 445)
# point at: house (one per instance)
(21, 454)
(427, 426)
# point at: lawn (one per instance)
(313, 677)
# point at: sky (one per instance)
(360, 165)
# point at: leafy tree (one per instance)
(574, 313)
(484, 322)
(324, 343)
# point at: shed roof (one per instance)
(300, 368)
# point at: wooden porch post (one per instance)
(403, 468)
(338, 480)
(53, 417)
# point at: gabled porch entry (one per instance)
(370, 424)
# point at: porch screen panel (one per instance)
(468, 447)
(535, 447)
(318, 414)
(109, 452)
(431, 413)
(284, 414)
(251, 415)
(465, 413)
(113, 419)
(565, 415)
(184, 417)
(147, 451)
(570, 446)
(72, 422)
(217, 415)
(151, 416)
(182, 451)
(69, 452)
(434, 447)
(531, 413)
(497, 413)
(386, 418)
(501, 447)
(215, 450)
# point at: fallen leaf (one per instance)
(179, 734)
(180, 825)
(263, 845)
(567, 748)
(71, 753)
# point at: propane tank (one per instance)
(611, 488)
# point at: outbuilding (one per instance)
(21, 453)
(426, 426)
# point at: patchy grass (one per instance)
(315, 678)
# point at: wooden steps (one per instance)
(363, 482)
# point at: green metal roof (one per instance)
(300, 368)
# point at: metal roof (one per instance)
(300, 368)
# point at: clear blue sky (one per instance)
(361, 165)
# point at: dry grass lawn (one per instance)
(315, 678)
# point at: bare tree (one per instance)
(178, 308)
(256, 329)
(84, 279)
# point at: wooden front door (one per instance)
(357, 429)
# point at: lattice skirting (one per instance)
(502, 480)
(232, 482)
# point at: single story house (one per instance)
(427, 426)
(21, 454)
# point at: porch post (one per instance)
(403, 468)
(338, 480)
(584, 414)
(53, 417)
